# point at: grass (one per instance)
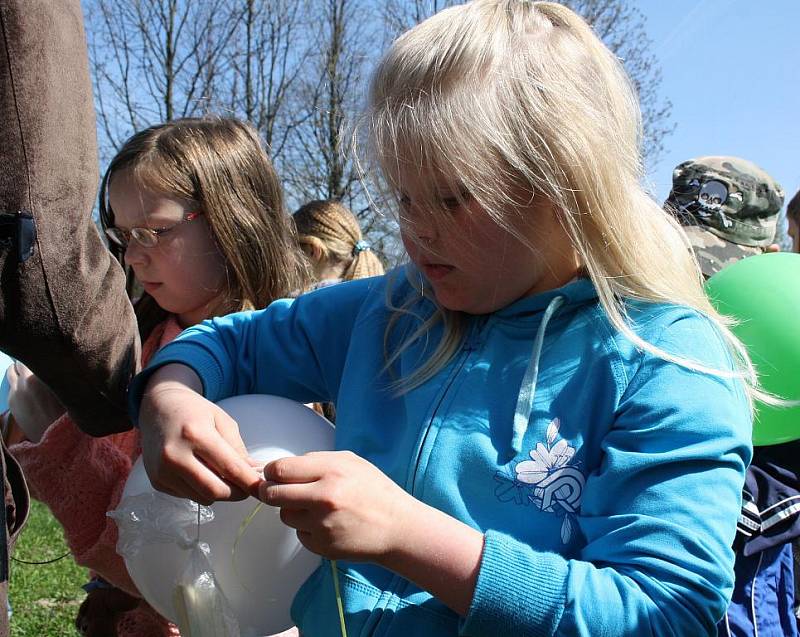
(44, 597)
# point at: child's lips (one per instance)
(150, 286)
(436, 271)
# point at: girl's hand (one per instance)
(341, 505)
(191, 448)
(33, 404)
(344, 507)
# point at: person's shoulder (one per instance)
(390, 288)
(659, 321)
(356, 299)
(651, 318)
(325, 283)
(651, 322)
(681, 332)
(656, 335)
(356, 290)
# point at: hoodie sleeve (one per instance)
(658, 514)
(293, 348)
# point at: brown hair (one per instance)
(793, 207)
(330, 227)
(220, 164)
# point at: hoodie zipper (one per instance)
(471, 343)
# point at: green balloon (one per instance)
(763, 294)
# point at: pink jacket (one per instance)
(80, 478)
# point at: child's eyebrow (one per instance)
(459, 193)
(153, 219)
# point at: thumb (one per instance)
(229, 431)
(242, 470)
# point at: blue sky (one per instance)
(732, 71)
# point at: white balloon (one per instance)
(270, 563)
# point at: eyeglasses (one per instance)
(145, 237)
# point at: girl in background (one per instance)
(331, 238)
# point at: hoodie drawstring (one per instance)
(527, 389)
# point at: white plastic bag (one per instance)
(202, 608)
(199, 604)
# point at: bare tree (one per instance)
(266, 58)
(318, 165)
(317, 162)
(623, 29)
(297, 70)
(400, 15)
(155, 60)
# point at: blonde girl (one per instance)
(331, 238)
(542, 425)
(195, 210)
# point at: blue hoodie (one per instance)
(606, 481)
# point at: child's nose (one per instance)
(135, 254)
(426, 234)
(421, 224)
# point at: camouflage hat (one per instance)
(729, 205)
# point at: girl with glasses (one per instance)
(195, 212)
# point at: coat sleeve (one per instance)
(658, 515)
(64, 310)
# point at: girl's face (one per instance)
(185, 271)
(475, 265)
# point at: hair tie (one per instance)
(361, 246)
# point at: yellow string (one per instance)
(243, 526)
(338, 597)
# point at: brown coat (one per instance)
(63, 307)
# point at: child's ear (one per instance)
(316, 252)
(314, 249)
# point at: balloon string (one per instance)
(338, 592)
(242, 528)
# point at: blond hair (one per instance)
(495, 96)
(220, 164)
(332, 229)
